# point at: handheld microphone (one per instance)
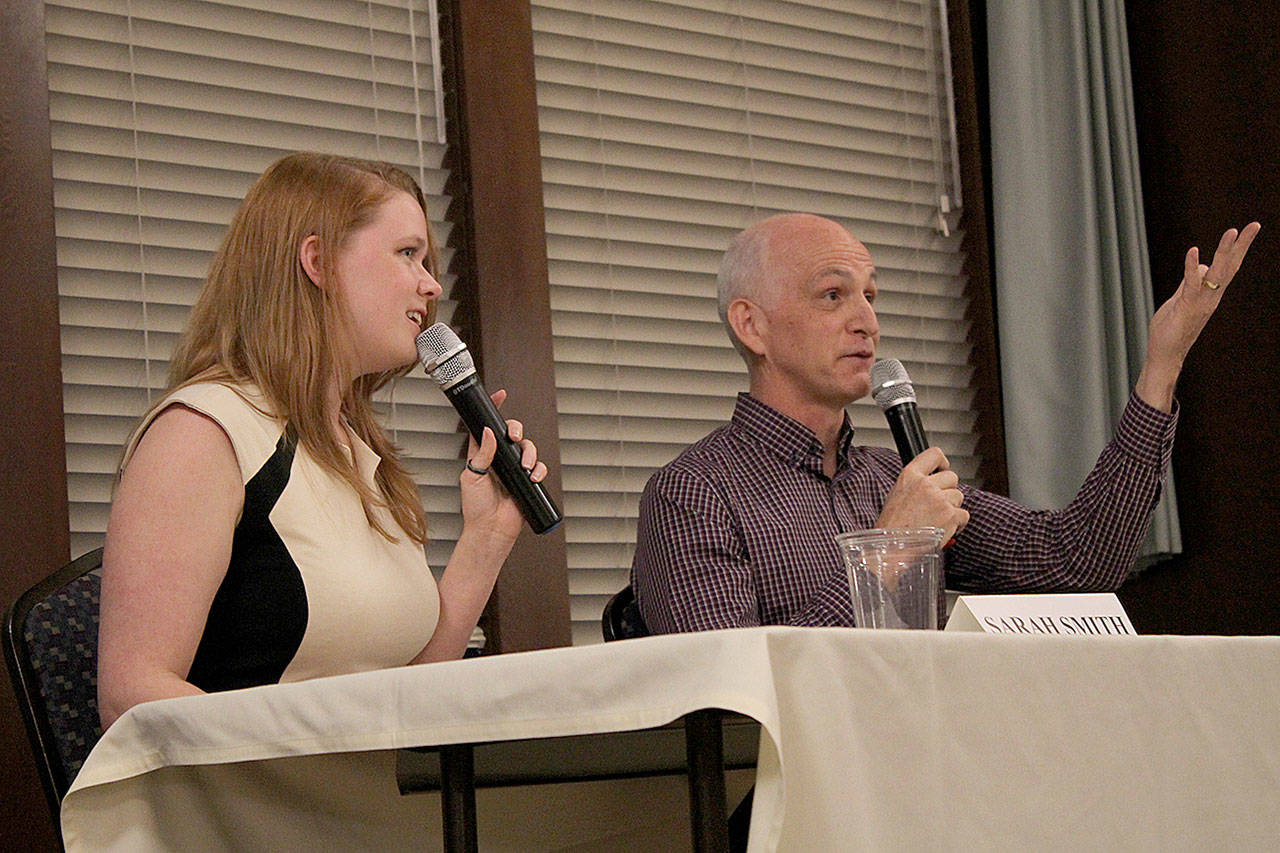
(893, 392)
(451, 366)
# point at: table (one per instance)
(869, 740)
(701, 746)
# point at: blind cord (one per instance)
(137, 195)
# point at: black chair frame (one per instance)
(621, 619)
(54, 775)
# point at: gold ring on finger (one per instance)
(1210, 284)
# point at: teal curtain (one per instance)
(1072, 278)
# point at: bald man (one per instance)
(740, 528)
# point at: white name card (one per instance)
(1068, 614)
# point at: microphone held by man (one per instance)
(893, 392)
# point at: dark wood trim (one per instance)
(968, 69)
(502, 287)
(34, 537)
(1208, 117)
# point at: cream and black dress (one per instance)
(312, 589)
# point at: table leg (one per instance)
(704, 745)
(458, 798)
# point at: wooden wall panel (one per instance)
(505, 305)
(34, 538)
(1208, 115)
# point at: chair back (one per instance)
(621, 619)
(51, 647)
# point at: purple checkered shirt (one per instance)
(740, 528)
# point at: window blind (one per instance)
(667, 127)
(163, 112)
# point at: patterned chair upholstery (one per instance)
(51, 648)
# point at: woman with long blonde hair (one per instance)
(264, 528)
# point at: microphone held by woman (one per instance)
(450, 365)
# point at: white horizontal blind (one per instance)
(666, 127)
(163, 112)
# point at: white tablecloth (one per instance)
(871, 740)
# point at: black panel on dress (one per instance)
(259, 613)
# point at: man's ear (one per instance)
(749, 324)
(309, 257)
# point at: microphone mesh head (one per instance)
(890, 384)
(444, 355)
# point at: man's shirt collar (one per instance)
(788, 439)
